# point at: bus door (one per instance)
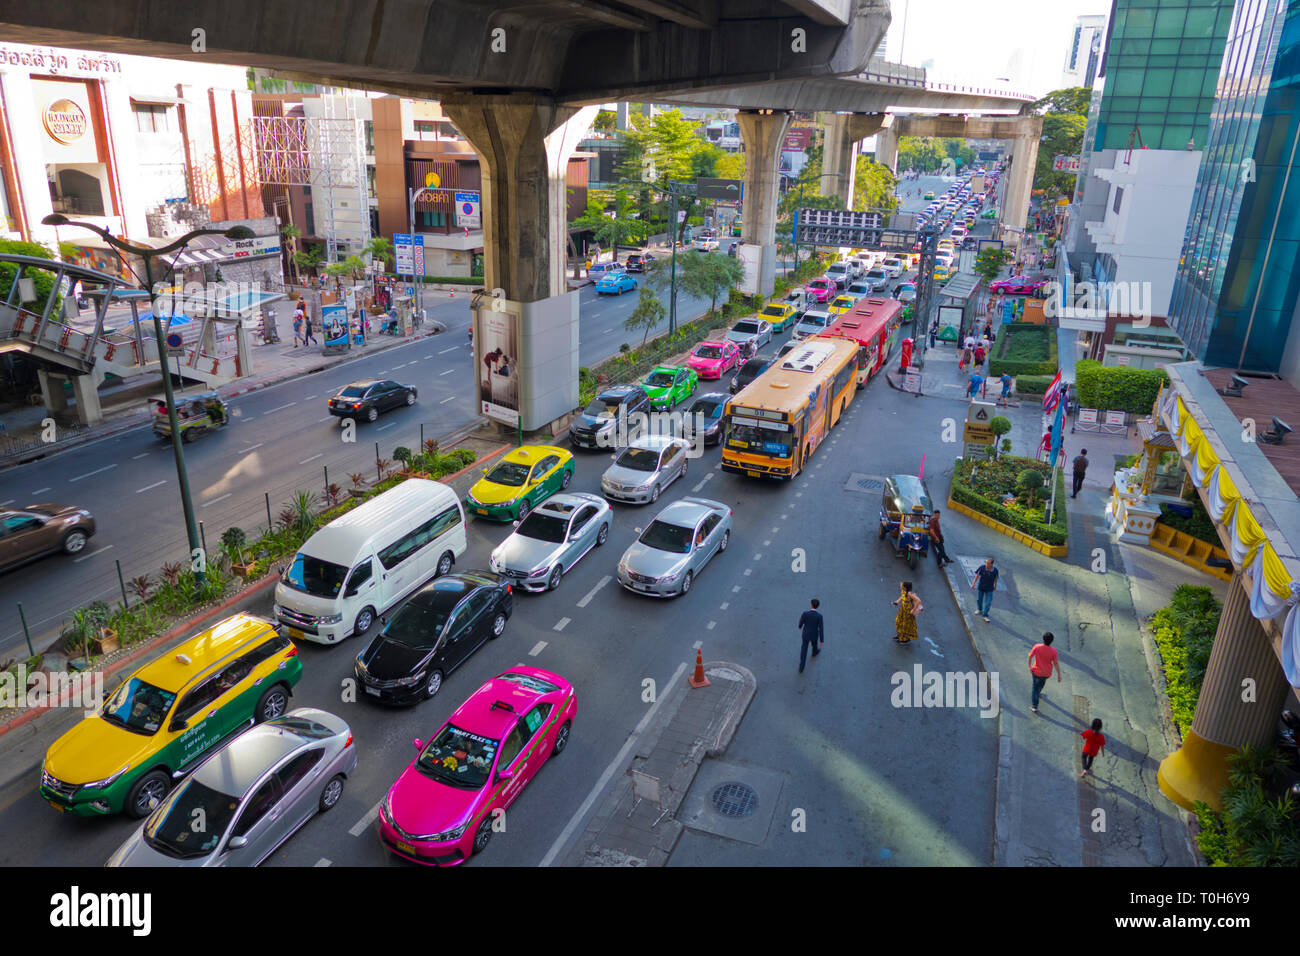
(868, 362)
(816, 418)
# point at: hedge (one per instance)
(1023, 348)
(1184, 632)
(1113, 388)
(475, 281)
(1003, 474)
(1033, 384)
(1199, 525)
(1258, 826)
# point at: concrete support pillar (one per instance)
(1242, 657)
(244, 353)
(839, 151)
(1020, 177)
(887, 147)
(52, 394)
(763, 135)
(85, 389)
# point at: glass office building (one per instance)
(1236, 289)
(1162, 61)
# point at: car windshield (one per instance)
(314, 576)
(511, 473)
(659, 379)
(708, 407)
(811, 319)
(663, 536)
(775, 310)
(638, 459)
(353, 391)
(458, 758)
(709, 351)
(302, 727)
(138, 707)
(745, 327)
(599, 409)
(543, 527)
(527, 680)
(173, 828)
(416, 626)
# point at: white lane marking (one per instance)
(142, 455)
(309, 398)
(748, 571)
(322, 862)
(735, 589)
(609, 772)
(561, 624)
(607, 331)
(382, 427)
(448, 372)
(312, 458)
(95, 472)
(5, 503)
(724, 605)
(40, 491)
(537, 649)
(798, 494)
(325, 419)
(775, 529)
(446, 400)
(150, 487)
(280, 408)
(712, 625)
(362, 825)
(452, 349)
(219, 498)
(586, 598)
(758, 556)
(706, 478)
(245, 451)
(85, 557)
(766, 543)
(783, 517)
(697, 645)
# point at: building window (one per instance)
(426, 129)
(370, 181)
(309, 221)
(152, 117)
(369, 127)
(431, 220)
(1119, 198)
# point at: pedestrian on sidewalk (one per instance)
(934, 332)
(909, 606)
(813, 631)
(1042, 659)
(974, 385)
(987, 579)
(1094, 742)
(307, 335)
(978, 356)
(1006, 389)
(1080, 469)
(297, 328)
(936, 536)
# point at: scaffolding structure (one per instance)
(226, 179)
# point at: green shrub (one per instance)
(995, 480)
(1023, 348)
(1184, 632)
(474, 281)
(1033, 384)
(1200, 526)
(1260, 823)
(402, 453)
(1112, 388)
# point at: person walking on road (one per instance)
(1006, 389)
(936, 537)
(307, 335)
(1042, 659)
(1080, 469)
(813, 631)
(974, 385)
(909, 606)
(987, 579)
(1094, 742)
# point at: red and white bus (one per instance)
(873, 324)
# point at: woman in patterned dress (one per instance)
(909, 605)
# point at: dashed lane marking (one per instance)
(735, 589)
(766, 543)
(712, 624)
(748, 571)
(561, 624)
(362, 825)
(325, 419)
(724, 605)
(446, 400)
(89, 473)
(245, 451)
(322, 862)
(87, 557)
(39, 491)
(452, 349)
(382, 427)
(537, 649)
(758, 556)
(218, 498)
(697, 645)
(312, 458)
(141, 455)
(149, 487)
(280, 408)
(586, 598)
(448, 372)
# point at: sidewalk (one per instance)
(1095, 601)
(688, 725)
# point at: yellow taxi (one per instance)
(167, 715)
(841, 304)
(942, 272)
(519, 482)
(780, 314)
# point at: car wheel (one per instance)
(433, 684)
(552, 582)
(272, 704)
(654, 494)
(499, 623)
(602, 535)
(445, 563)
(372, 413)
(561, 739)
(363, 621)
(567, 477)
(332, 793)
(483, 835)
(410, 398)
(882, 532)
(686, 583)
(147, 794)
(524, 508)
(74, 541)
(726, 539)
(911, 560)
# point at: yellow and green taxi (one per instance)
(167, 715)
(519, 482)
(942, 272)
(781, 314)
(841, 304)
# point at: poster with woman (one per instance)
(497, 351)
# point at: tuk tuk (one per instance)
(195, 414)
(905, 510)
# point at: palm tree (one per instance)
(293, 234)
(380, 248)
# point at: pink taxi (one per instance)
(442, 808)
(711, 359)
(820, 290)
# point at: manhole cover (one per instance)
(735, 800)
(864, 483)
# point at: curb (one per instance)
(1047, 550)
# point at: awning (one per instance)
(198, 257)
(162, 99)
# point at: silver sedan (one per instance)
(645, 468)
(551, 540)
(249, 796)
(670, 553)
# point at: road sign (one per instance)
(912, 380)
(408, 253)
(981, 413)
(175, 344)
(468, 211)
(978, 434)
(730, 189)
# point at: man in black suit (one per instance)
(810, 625)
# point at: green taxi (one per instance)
(668, 385)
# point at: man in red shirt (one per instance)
(1042, 659)
(1094, 742)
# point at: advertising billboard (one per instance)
(496, 354)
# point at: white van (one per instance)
(362, 563)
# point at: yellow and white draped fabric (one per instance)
(1272, 591)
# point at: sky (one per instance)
(975, 42)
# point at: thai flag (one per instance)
(1053, 393)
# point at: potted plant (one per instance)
(233, 541)
(358, 485)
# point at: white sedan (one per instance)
(750, 330)
(705, 244)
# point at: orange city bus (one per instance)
(773, 426)
(873, 324)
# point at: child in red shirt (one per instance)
(1094, 742)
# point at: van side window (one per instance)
(445, 522)
(397, 552)
(360, 575)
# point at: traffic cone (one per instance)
(698, 680)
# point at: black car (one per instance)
(366, 400)
(436, 631)
(748, 372)
(596, 426)
(637, 261)
(711, 405)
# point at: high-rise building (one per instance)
(1083, 59)
(1238, 285)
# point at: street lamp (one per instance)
(147, 254)
(674, 189)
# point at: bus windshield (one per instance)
(756, 439)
